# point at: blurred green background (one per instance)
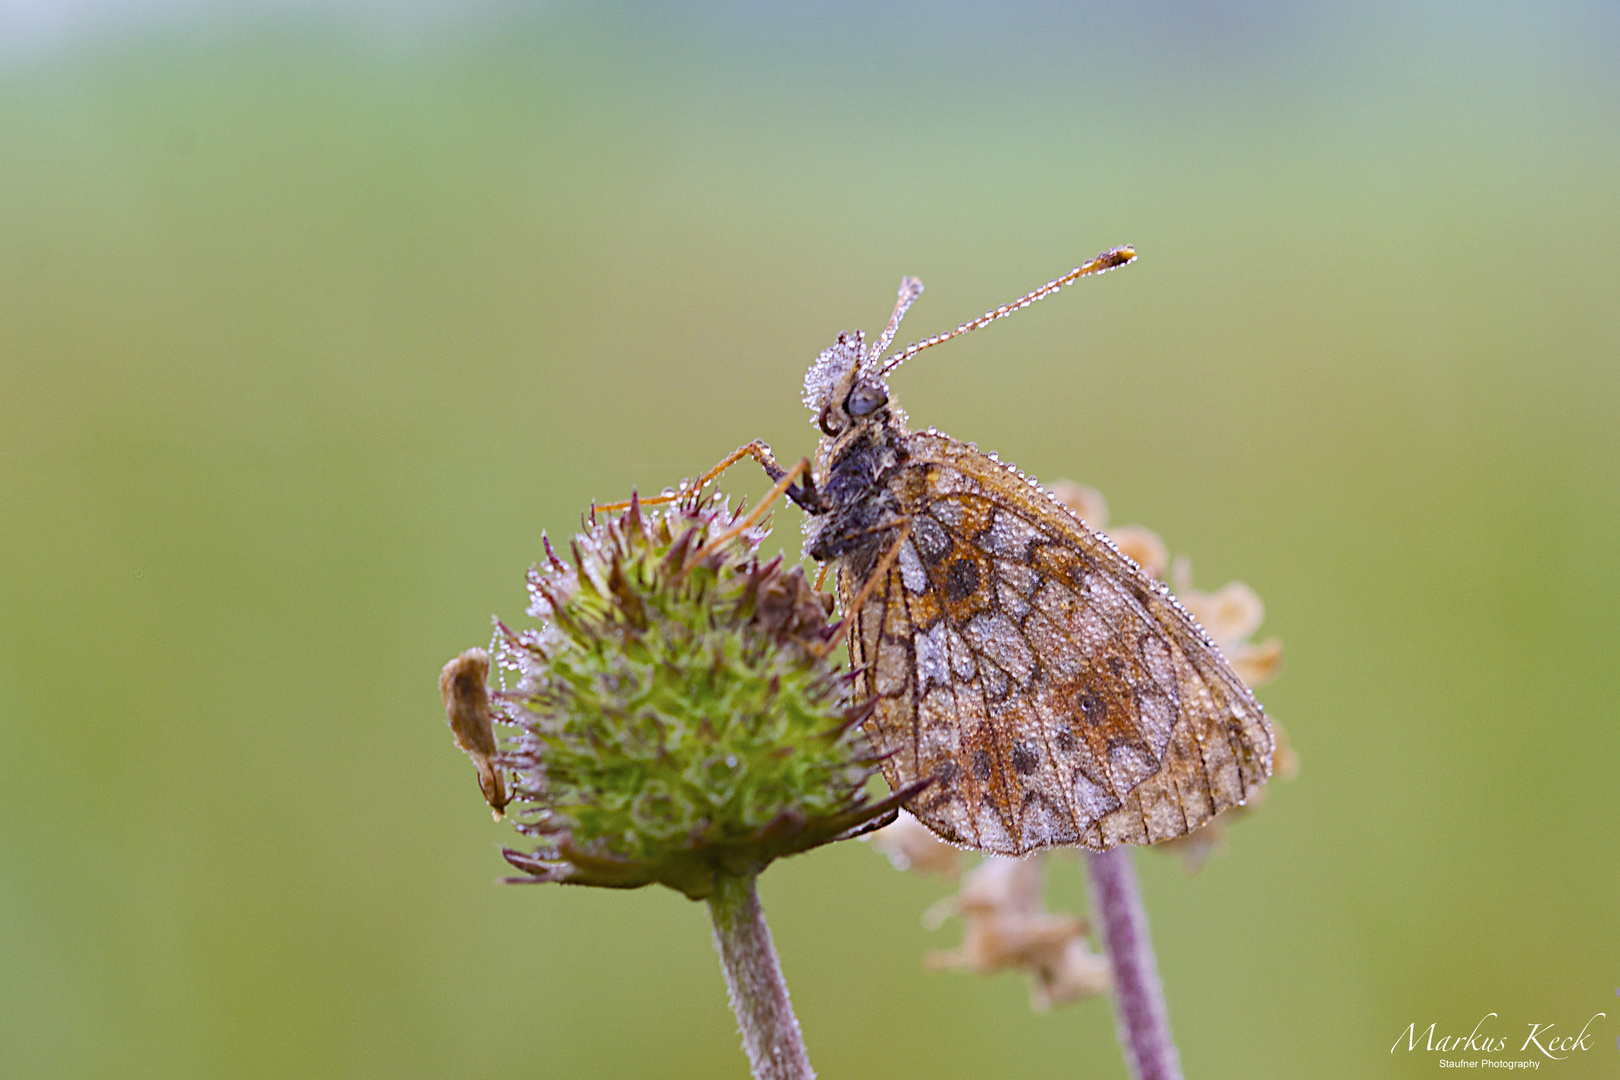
(312, 318)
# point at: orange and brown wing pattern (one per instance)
(1058, 695)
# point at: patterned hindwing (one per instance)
(1056, 693)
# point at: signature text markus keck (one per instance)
(1537, 1043)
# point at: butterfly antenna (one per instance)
(1106, 261)
(910, 289)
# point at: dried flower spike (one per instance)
(1231, 614)
(1006, 926)
(675, 720)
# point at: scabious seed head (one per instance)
(675, 717)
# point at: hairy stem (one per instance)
(1139, 1013)
(759, 995)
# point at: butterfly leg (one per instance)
(805, 496)
(783, 484)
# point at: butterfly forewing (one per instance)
(1056, 693)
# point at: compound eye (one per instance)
(865, 400)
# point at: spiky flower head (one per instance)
(675, 715)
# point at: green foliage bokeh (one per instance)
(311, 319)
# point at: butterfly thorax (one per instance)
(862, 511)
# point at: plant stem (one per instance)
(759, 995)
(1140, 1018)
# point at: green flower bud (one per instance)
(675, 715)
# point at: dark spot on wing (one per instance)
(981, 764)
(1093, 708)
(1024, 759)
(961, 580)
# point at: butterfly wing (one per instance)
(1058, 694)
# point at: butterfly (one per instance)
(1053, 692)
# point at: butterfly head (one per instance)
(841, 389)
(845, 387)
